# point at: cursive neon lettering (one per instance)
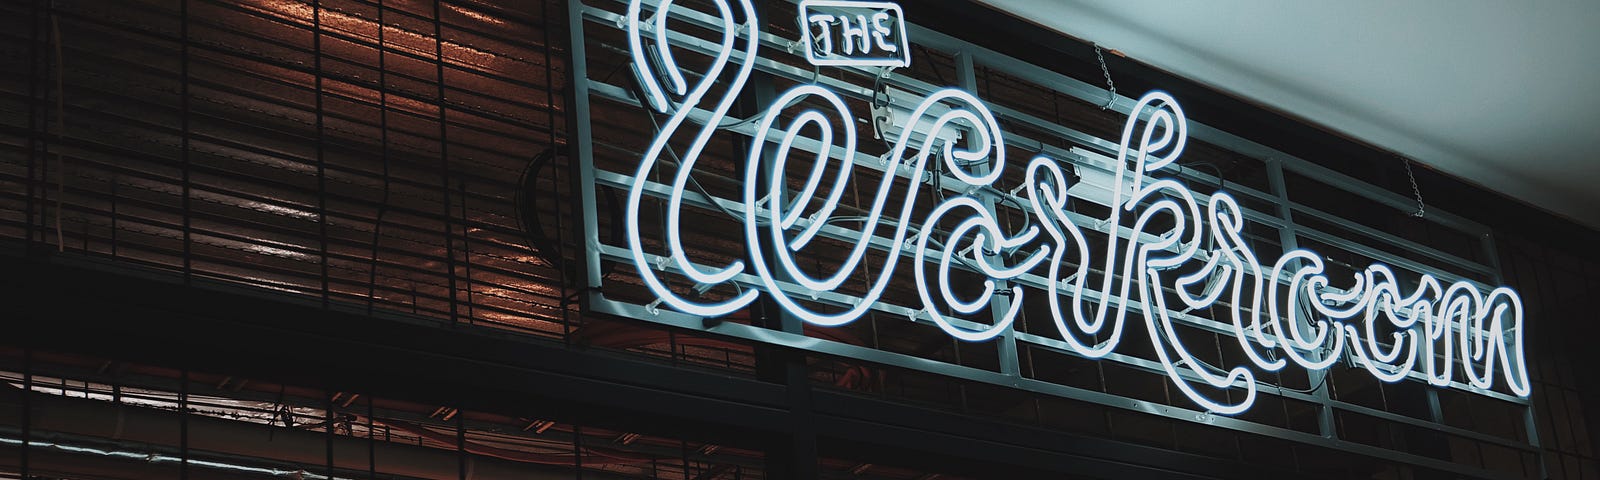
(1288, 312)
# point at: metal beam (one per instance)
(256, 334)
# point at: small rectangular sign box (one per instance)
(853, 33)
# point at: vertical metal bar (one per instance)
(672, 348)
(383, 151)
(444, 160)
(372, 443)
(1006, 343)
(183, 424)
(793, 453)
(1435, 410)
(466, 247)
(581, 144)
(27, 411)
(555, 171)
(1286, 237)
(577, 443)
(49, 143)
(327, 429)
(34, 142)
(1530, 422)
(461, 435)
(683, 454)
(322, 162)
(115, 178)
(1492, 257)
(61, 128)
(183, 152)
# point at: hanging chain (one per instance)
(1415, 190)
(1111, 86)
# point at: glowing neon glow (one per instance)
(1164, 236)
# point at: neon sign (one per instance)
(1288, 311)
(858, 33)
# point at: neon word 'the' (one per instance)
(1279, 312)
(844, 32)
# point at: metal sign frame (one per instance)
(586, 90)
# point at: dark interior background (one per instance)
(334, 236)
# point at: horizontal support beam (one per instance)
(251, 333)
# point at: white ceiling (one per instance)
(1504, 94)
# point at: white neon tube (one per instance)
(652, 156)
(1290, 309)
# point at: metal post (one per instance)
(26, 413)
(321, 140)
(581, 145)
(327, 430)
(794, 457)
(1286, 236)
(183, 424)
(444, 165)
(1530, 421)
(1006, 343)
(35, 143)
(183, 146)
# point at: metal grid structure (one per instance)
(416, 157)
(1341, 217)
